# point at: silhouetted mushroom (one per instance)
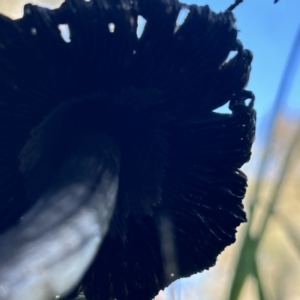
(104, 122)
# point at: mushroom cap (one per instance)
(181, 189)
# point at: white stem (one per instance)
(50, 249)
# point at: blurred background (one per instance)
(264, 263)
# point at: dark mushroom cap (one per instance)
(181, 190)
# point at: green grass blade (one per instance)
(256, 275)
(244, 267)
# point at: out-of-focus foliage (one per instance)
(274, 207)
(270, 253)
(14, 8)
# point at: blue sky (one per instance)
(268, 30)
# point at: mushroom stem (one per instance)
(52, 246)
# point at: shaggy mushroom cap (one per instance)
(180, 191)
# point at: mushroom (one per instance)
(116, 171)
